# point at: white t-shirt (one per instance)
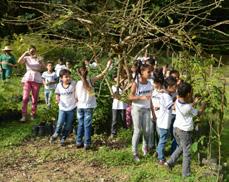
(184, 115)
(156, 101)
(58, 68)
(85, 99)
(49, 77)
(143, 90)
(67, 96)
(165, 112)
(117, 104)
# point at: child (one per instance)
(158, 89)
(140, 95)
(65, 96)
(164, 116)
(176, 75)
(86, 104)
(183, 127)
(118, 109)
(60, 66)
(49, 81)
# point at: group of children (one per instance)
(161, 106)
(72, 97)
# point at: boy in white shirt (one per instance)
(164, 116)
(49, 81)
(183, 127)
(66, 99)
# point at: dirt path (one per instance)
(39, 161)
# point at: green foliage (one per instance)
(10, 97)
(208, 83)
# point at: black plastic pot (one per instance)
(35, 130)
(49, 129)
(41, 131)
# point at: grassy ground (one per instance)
(25, 158)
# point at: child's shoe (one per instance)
(168, 166)
(145, 151)
(161, 162)
(136, 158)
(62, 142)
(53, 138)
(87, 147)
(79, 145)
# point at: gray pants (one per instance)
(184, 140)
(141, 121)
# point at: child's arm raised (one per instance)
(101, 75)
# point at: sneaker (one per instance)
(53, 138)
(136, 158)
(87, 147)
(62, 142)
(168, 166)
(79, 145)
(145, 151)
(161, 162)
(112, 136)
(23, 119)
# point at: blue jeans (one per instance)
(84, 117)
(48, 96)
(65, 119)
(163, 137)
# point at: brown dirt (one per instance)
(37, 160)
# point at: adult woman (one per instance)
(7, 62)
(31, 80)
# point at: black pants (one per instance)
(118, 115)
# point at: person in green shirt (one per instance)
(7, 62)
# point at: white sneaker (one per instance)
(136, 158)
(145, 151)
(23, 119)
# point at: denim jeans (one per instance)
(163, 137)
(84, 117)
(48, 96)
(64, 123)
(141, 121)
(184, 140)
(118, 114)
